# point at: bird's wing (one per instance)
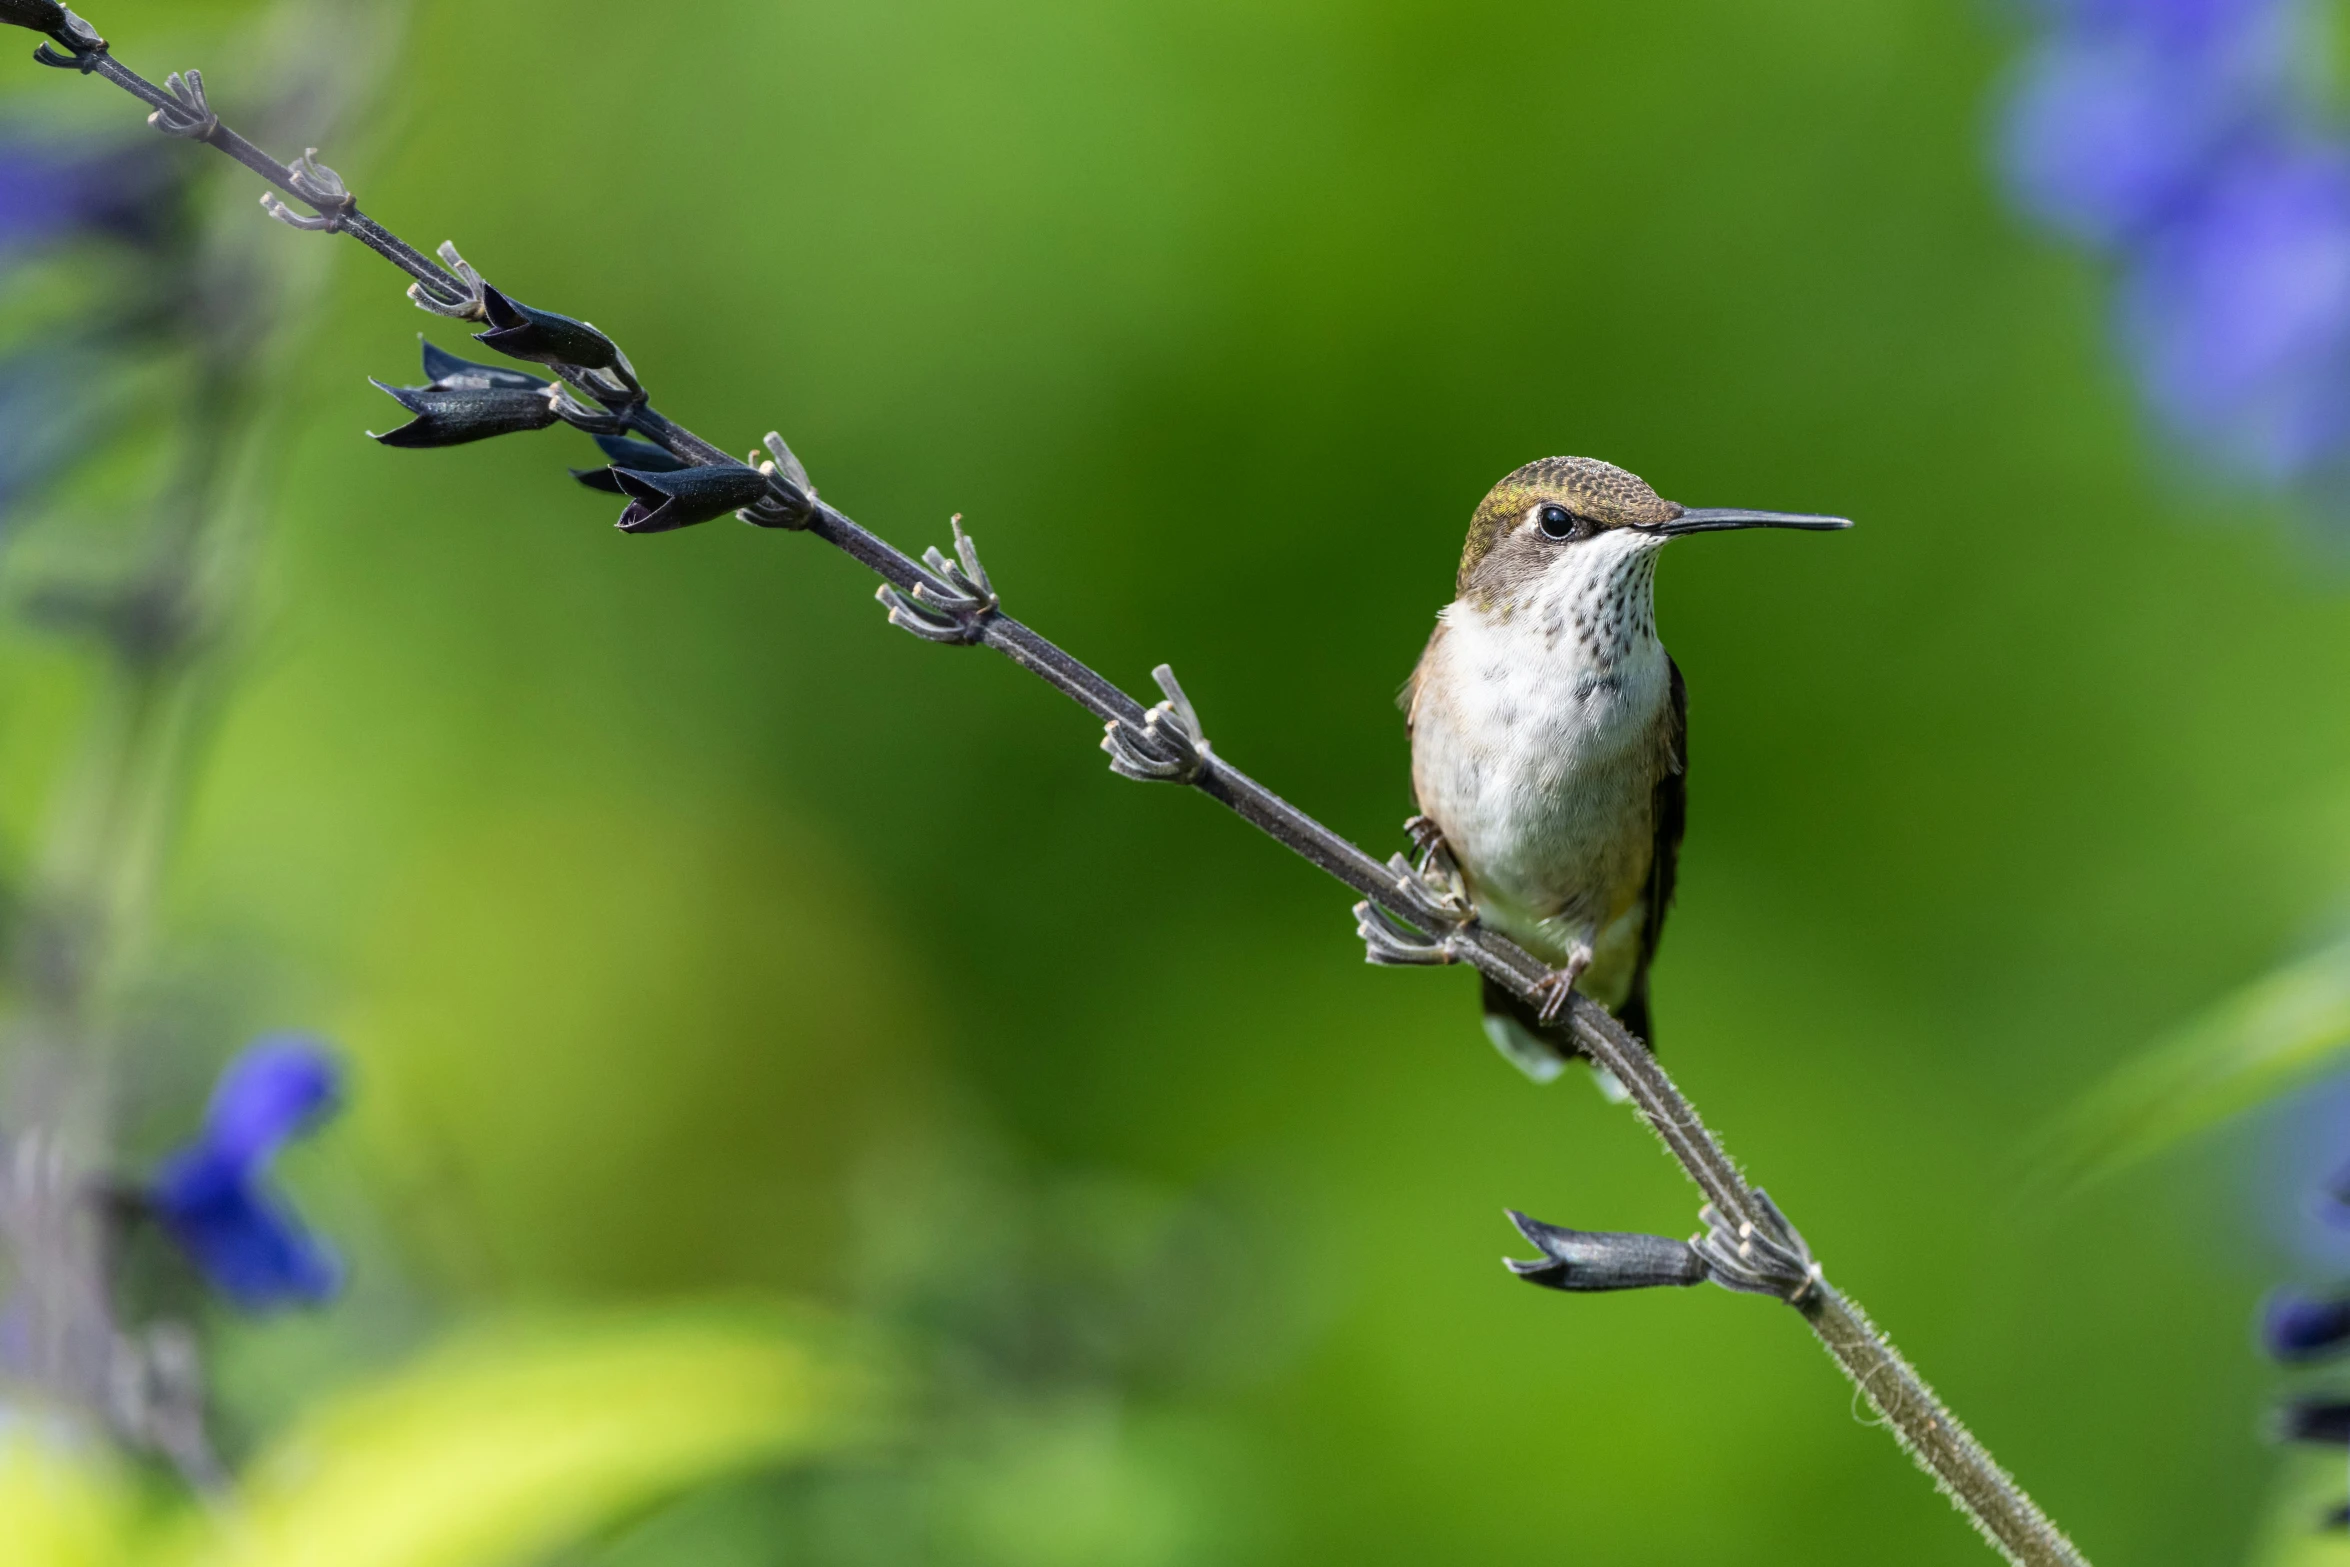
(1408, 698)
(1670, 806)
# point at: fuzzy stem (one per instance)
(1963, 1469)
(1960, 1465)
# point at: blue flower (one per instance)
(212, 1198)
(2178, 137)
(2105, 135)
(2237, 313)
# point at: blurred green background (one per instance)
(694, 934)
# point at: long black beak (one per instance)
(1721, 519)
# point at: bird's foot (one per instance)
(1441, 889)
(1557, 987)
(1433, 859)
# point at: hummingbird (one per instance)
(1550, 738)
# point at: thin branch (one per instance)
(1403, 919)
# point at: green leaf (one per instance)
(515, 1441)
(2274, 1035)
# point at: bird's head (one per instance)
(1565, 517)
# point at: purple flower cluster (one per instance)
(2182, 139)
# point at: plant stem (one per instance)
(1960, 1465)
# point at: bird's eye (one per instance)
(1557, 522)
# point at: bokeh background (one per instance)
(696, 936)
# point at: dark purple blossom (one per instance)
(2306, 1328)
(2321, 1420)
(213, 1197)
(51, 193)
(2298, 1327)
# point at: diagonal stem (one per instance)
(1962, 1468)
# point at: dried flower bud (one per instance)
(443, 368)
(520, 332)
(2302, 1327)
(81, 40)
(454, 415)
(662, 502)
(42, 16)
(1585, 1260)
(642, 456)
(469, 402)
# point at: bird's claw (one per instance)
(1432, 859)
(1168, 747)
(1765, 1255)
(1554, 990)
(953, 608)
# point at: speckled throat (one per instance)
(1604, 599)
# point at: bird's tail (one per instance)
(1542, 1051)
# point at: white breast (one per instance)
(1536, 747)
